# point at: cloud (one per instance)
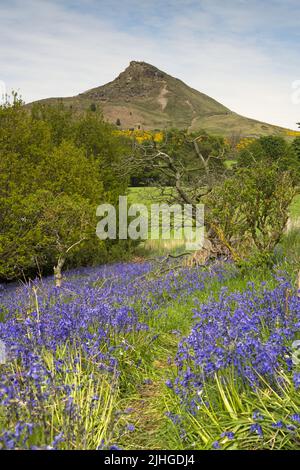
(242, 55)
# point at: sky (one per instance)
(243, 53)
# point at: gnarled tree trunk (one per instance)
(57, 271)
(61, 261)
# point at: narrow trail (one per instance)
(147, 418)
(148, 407)
(162, 98)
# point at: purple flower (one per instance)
(296, 379)
(245, 332)
(278, 424)
(291, 427)
(216, 445)
(295, 417)
(257, 416)
(256, 428)
(228, 434)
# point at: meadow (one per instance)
(147, 353)
(295, 211)
(153, 356)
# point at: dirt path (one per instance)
(147, 411)
(292, 224)
(162, 99)
(190, 128)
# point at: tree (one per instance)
(271, 149)
(296, 147)
(246, 208)
(54, 172)
(255, 220)
(68, 170)
(183, 161)
(190, 164)
(100, 142)
(58, 119)
(46, 229)
(65, 223)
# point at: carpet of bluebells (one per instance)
(250, 332)
(67, 350)
(243, 342)
(64, 348)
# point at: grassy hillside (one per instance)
(145, 97)
(234, 123)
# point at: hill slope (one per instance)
(145, 97)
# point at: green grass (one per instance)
(159, 247)
(228, 408)
(147, 195)
(140, 397)
(228, 123)
(295, 208)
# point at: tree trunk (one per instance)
(298, 284)
(57, 271)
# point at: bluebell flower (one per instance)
(216, 445)
(278, 424)
(257, 429)
(169, 383)
(295, 417)
(228, 434)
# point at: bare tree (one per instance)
(184, 181)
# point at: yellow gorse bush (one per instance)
(293, 133)
(142, 136)
(244, 143)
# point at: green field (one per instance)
(295, 208)
(148, 196)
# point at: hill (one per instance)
(144, 97)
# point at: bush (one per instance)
(55, 170)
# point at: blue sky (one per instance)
(244, 53)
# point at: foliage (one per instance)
(296, 147)
(195, 159)
(141, 136)
(67, 349)
(55, 169)
(257, 217)
(271, 149)
(244, 143)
